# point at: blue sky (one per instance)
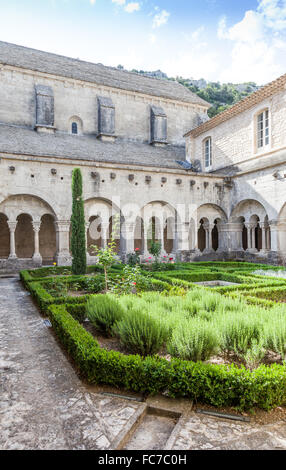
(219, 40)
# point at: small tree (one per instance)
(107, 256)
(78, 242)
(155, 249)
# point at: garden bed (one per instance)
(223, 350)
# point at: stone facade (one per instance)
(126, 133)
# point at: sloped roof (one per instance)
(32, 59)
(247, 103)
(25, 141)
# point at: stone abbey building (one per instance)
(150, 158)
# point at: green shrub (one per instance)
(276, 336)
(140, 333)
(238, 334)
(216, 385)
(194, 341)
(103, 311)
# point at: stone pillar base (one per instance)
(37, 260)
(64, 259)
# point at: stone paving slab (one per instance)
(44, 405)
(208, 433)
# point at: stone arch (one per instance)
(24, 213)
(282, 229)
(158, 217)
(24, 236)
(252, 215)
(247, 208)
(93, 234)
(215, 235)
(4, 237)
(211, 212)
(101, 215)
(202, 234)
(209, 217)
(169, 235)
(25, 204)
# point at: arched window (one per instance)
(208, 152)
(74, 128)
(263, 129)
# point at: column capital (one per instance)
(62, 225)
(273, 224)
(36, 226)
(12, 226)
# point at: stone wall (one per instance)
(234, 141)
(74, 98)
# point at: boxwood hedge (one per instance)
(217, 385)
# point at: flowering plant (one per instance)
(132, 281)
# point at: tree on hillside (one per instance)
(78, 243)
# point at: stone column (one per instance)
(182, 236)
(274, 235)
(145, 241)
(253, 238)
(86, 241)
(127, 231)
(63, 256)
(249, 239)
(264, 236)
(196, 240)
(162, 240)
(104, 231)
(36, 256)
(12, 227)
(206, 227)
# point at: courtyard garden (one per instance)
(212, 332)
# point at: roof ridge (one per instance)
(122, 75)
(99, 64)
(238, 107)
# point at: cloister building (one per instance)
(154, 165)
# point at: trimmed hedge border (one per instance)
(44, 299)
(215, 385)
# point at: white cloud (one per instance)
(92, 2)
(119, 2)
(273, 12)
(258, 43)
(160, 18)
(131, 7)
(249, 29)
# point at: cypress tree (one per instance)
(78, 245)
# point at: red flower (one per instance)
(171, 259)
(134, 283)
(136, 249)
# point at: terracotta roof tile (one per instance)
(247, 103)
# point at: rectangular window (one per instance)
(263, 129)
(208, 153)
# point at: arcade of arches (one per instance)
(31, 230)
